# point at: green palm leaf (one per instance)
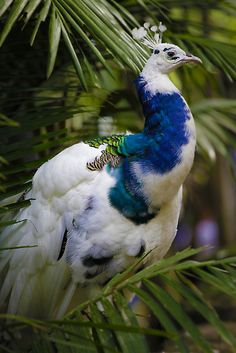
(111, 326)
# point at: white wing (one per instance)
(33, 281)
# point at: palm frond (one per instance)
(105, 27)
(216, 126)
(108, 324)
(45, 116)
(102, 22)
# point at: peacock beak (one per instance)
(188, 58)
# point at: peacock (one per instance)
(99, 205)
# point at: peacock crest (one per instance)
(149, 35)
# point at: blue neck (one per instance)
(157, 150)
(165, 118)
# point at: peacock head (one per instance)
(165, 57)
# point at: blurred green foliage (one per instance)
(75, 82)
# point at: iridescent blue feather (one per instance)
(155, 150)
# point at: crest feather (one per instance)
(149, 35)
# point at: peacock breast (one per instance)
(169, 153)
(163, 173)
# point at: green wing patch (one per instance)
(111, 155)
(113, 143)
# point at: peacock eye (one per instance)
(171, 54)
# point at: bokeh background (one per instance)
(76, 82)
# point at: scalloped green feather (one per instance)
(113, 143)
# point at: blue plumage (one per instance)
(156, 150)
(165, 130)
(127, 196)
